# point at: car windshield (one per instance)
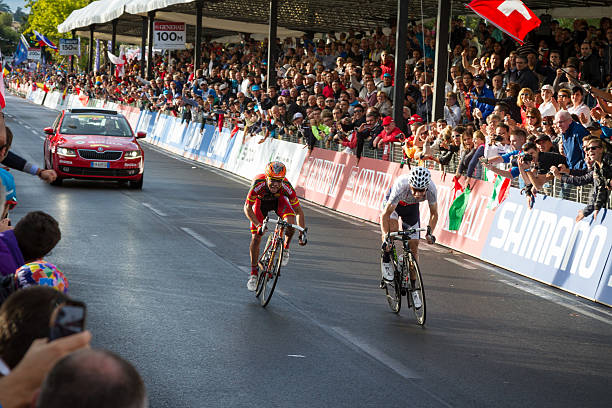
(95, 124)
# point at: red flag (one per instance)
(511, 16)
(234, 131)
(221, 118)
(2, 100)
(457, 187)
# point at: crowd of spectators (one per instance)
(34, 371)
(336, 92)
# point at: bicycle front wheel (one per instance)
(263, 265)
(270, 276)
(393, 290)
(418, 288)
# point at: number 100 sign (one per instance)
(169, 36)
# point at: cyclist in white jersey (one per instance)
(402, 200)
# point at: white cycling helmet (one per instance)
(419, 178)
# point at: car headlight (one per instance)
(132, 154)
(64, 151)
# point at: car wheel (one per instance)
(137, 185)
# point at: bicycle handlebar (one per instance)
(405, 234)
(285, 223)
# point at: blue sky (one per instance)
(13, 4)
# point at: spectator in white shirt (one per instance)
(550, 106)
(452, 111)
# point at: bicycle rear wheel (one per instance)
(270, 276)
(393, 290)
(418, 288)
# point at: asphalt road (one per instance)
(163, 272)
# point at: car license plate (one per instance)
(100, 165)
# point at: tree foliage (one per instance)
(8, 36)
(4, 8)
(46, 15)
(20, 16)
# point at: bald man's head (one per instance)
(563, 119)
(93, 378)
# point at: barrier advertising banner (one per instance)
(547, 244)
(339, 181)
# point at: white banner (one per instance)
(69, 46)
(169, 36)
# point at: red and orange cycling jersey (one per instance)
(259, 191)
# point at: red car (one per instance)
(92, 143)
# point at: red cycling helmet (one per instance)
(276, 170)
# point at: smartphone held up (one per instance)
(68, 318)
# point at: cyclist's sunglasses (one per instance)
(419, 190)
(276, 180)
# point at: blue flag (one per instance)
(21, 54)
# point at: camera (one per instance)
(527, 158)
(498, 138)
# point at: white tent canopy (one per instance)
(144, 6)
(97, 12)
(104, 11)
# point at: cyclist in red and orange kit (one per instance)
(271, 191)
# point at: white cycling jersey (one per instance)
(401, 191)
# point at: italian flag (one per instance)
(500, 190)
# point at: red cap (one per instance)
(415, 119)
(387, 120)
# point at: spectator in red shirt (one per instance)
(387, 65)
(390, 134)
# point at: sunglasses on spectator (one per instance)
(532, 117)
(588, 149)
(563, 96)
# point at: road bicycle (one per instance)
(401, 285)
(271, 259)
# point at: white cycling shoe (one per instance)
(387, 271)
(285, 261)
(416, 300)
(252, 283)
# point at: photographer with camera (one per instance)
(599, 174)
(535, 168)
(518, 137)
(368, 130)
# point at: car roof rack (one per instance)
(93, 110)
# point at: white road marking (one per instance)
(461, 264)
(27, 127)
(198, 237)
(155, 210)
(391, 362)
(42, 138)
(296, 355)
(545, 294)
(481, 265)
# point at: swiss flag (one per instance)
(511, 16)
